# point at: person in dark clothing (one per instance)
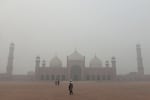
(70, 87)
(58, 82)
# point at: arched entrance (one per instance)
(76, 73)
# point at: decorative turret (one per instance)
(37, 62)
(113, 61)
(44, 63)
(107, 63)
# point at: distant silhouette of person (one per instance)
(58, 82)
(70, 87)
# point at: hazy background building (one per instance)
(75, 69)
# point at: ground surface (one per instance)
(82, 91)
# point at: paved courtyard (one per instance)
(82, 91)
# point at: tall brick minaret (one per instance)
(139, 60)
(10, 59)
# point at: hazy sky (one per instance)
(49, 27)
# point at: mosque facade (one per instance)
(75, 69)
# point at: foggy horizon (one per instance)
(49, 28)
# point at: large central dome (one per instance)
(76, 56)
(95, 62)
(55, 62)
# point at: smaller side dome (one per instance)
(95, 62)
(55, 62)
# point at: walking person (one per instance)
(70, 87)
(55, 82)
(58, 82)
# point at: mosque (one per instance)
(75, 69)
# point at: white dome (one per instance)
(95, 62)
(76, 56)
(55, 62)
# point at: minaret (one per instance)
(37, 66)
(139, 60)
(10, 59)
(113, 61)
